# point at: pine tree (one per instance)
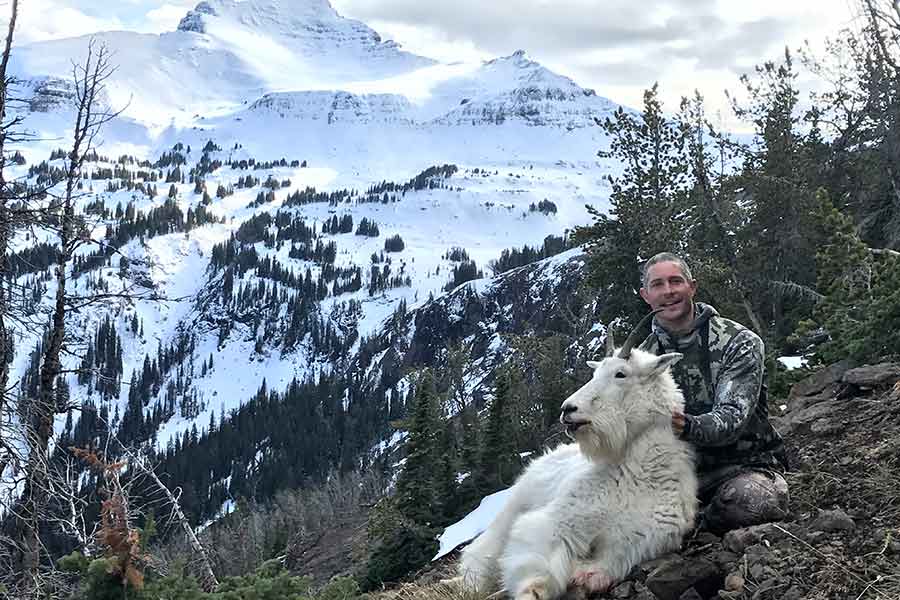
(444, 475)
(415, 489)
(646, 205)
(498, 459)
(554, 383)
(860, 309)
(468, 492)
(777, 243)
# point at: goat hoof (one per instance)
(594, 581)
(534, 589)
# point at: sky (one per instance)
(617, 47)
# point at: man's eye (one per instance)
(619, 375)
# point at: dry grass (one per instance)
(432, 591)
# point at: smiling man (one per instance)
(726, 413)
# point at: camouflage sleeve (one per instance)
(736, 393)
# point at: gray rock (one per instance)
(671, 579)
(725, 559)
(800, 402)
(820, 380)
(827, 426)
(832, 520)
(690, 594)
(870, 376)
(738, 540)
(734, 582)
(809, 415)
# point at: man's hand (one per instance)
(678, 423)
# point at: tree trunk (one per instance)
(208, 580)
(5, 233)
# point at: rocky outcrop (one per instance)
(873, 376)
(49, 93)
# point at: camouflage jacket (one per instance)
(722, 377)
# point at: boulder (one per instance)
(872, 376)
(796, 403)
(809, 415)
(822, 379)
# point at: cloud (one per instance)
(617, 47)
(40, 20)
(559, 26)
(165, 17)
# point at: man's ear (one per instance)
(643, 294)
(665, 361)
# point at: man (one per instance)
(726, 416)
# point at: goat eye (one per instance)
(620, 375)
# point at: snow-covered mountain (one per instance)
(287, 182)
(226, 52)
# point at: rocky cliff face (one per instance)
(336, 107)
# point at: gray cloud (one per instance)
(641, 38)
(724, 49)
(559, 26)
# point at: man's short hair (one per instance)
(666, 257)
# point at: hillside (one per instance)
(840, 538)
(253, 224)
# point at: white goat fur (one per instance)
(588, 512)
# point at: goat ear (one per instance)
(665, 361)
(593, 364)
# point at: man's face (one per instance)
(667, 288)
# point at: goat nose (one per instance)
(568, 409)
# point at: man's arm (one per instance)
(736, 394)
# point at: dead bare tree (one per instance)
(89, 82)
(207, 577)
(7, 126)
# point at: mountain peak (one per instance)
(273, 15)
(193, 20)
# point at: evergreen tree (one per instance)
(498, 461)
(777, 243)
(415, 489)
(646, 205)
(468, 492)
(860, 310)
(444, 475)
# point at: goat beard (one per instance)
(604, 440)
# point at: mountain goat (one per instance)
(585, 513)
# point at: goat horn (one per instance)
(634, 337)
(610, 342)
